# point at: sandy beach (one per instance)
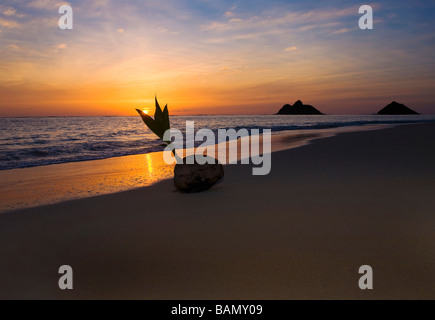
(302, 232)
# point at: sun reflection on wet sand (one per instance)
(149, 162)
(28, 187)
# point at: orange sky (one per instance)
(207, 58)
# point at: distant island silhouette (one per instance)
(299, 109)
(395, 108)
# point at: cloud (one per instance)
(343, 30)
(216, 26)
(100, 3)
(280, 19)
(307, 27)
(47, 4)
(62, 46)
(8, 23)
(290, 49)
(9, 11)
(131, 45)
(13, 47)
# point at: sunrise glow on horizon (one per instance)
(214, 57)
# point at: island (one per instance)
(395, 108)
(299, 109)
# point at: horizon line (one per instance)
(212, 114)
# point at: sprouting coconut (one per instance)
(188, 178)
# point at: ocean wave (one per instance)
(29, 142)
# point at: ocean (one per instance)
(31, 142)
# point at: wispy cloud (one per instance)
(9, 11)
(8, 23)
(13, 47)
(60, 47)
(290, 49)
(281, 19)
(46, 4)
(344, 30)
(210, 52)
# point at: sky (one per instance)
(214, 56)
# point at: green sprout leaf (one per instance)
(160, 124)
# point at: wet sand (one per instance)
(327, 208)
(37, 186)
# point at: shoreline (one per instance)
(51, 184)
(362, 198)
